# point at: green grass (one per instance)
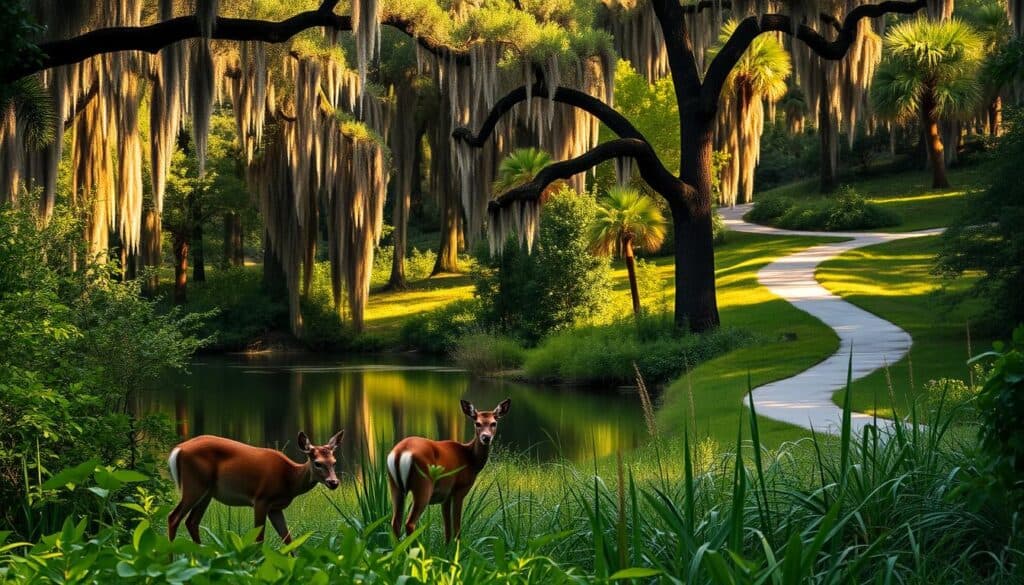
(909, 194)
(893, 281)
(792, 342)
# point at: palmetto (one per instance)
(627, 219)
(930, 71)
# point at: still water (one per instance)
(266, 399)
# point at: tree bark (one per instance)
(995, 116)
(234, 250)
(198, 254)
(151, 253)
(181, 245)
(634, 290)
(828, 131)
(933, 135)
(696, 302)
(448, 251)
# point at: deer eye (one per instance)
(494, 425)
(478, 425)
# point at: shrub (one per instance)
(76, 349)
(483, 353)
(240, 311)
(845, 211)
(439, 331)
(607, 353)
(1001, 403)
(527, 295)
(988, 237)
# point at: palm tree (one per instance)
(929, 70)
(520, 167)
(627, 218)
(994, 28)
(759, 75)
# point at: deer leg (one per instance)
(457, 499)
(195, 516)
(189, 498)
(446, 512)
(277, 519)
(397, 508)
(421, 492)
(260, 518)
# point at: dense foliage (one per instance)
(846, 210)
(76, 348)
(528, 294)
(852, 510)
(989, 236)
(1001, 403)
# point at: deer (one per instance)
(208, 468)
(440, 472)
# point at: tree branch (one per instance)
(750, 28)
(614, 120)
(152, 38)
(640, 150)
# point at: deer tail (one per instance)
(172, 463)
(399, 470)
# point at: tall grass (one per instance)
(882, 506)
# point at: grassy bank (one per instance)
(908, 194)
(792, 341)
(817, 511)
(894, 281)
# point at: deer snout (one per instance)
(331, 483)
(486, 438)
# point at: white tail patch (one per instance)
(400, 473)
(172, 463)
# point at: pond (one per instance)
(266, 399)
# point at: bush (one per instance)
(988, 238)
(845, 211)
(418, 265)
(1001, 403)
(439, 331)
(76, 349)
(240, 312)
(606, 353)
(483, 353)
(527, 295)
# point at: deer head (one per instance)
(321, 458)
(486, 421)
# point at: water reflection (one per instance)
(266, 400)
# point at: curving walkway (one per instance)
(805, 399)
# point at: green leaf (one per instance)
(634, 573)
(71, 476)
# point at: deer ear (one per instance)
(303, 442)
(502, 409)
(333, 443)
(468, 409)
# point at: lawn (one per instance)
(909, 194)
(894, 281)
(792, 342)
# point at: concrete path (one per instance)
(805, 399)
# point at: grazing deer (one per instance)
(440, 472)
(236, 474)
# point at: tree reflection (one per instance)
(266, 400)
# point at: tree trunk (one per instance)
(448, 251)
(181, 245)
(198, 254)
(234, 251)
(995, 116)
(634, 291)
(696, 306)
(930, 122)
(151, 253)
(828, 134)
(273, 273)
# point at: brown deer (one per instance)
(207, 468)
(440, 472)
